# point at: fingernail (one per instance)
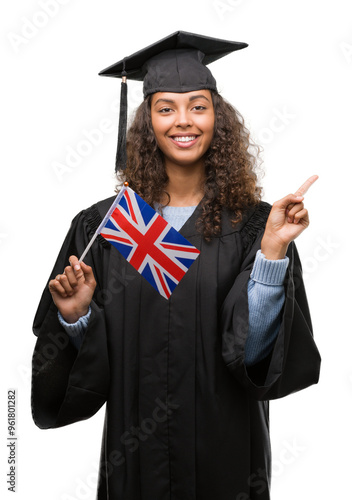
(77, 267)
(289, 219)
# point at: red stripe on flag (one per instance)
(130, 206)
(116, 238)
(182, 248)
(161, 279)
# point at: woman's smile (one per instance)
(184, 141)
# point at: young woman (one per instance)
(186, 380)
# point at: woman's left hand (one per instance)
(287, 220)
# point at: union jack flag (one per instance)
(153, 247)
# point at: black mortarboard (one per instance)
(176, 63)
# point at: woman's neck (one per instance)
(185, 186)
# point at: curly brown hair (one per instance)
(231, 162)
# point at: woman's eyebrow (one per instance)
(164, 100)
(197, 97)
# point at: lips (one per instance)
(184, 141)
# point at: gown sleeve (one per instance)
(294, 361)
(69, 385)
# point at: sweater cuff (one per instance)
(269, 272)
(78, 328)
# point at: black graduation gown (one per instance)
(185, 418)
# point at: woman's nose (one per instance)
(183, 119)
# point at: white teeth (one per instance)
(184, 138)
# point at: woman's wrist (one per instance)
(74, 316)
(272, 249)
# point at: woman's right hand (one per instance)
(72, 291)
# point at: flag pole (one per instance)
(104, 221)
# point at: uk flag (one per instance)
(153, 247)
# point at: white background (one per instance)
(298, 65)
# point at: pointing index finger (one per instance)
(304, 188)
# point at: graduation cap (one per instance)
(177, 63)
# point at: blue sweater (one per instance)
(265, 298)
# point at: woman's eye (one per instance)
(199, 108)
(165, 110)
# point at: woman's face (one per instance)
(183, 125)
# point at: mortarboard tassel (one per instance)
(121, 154)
